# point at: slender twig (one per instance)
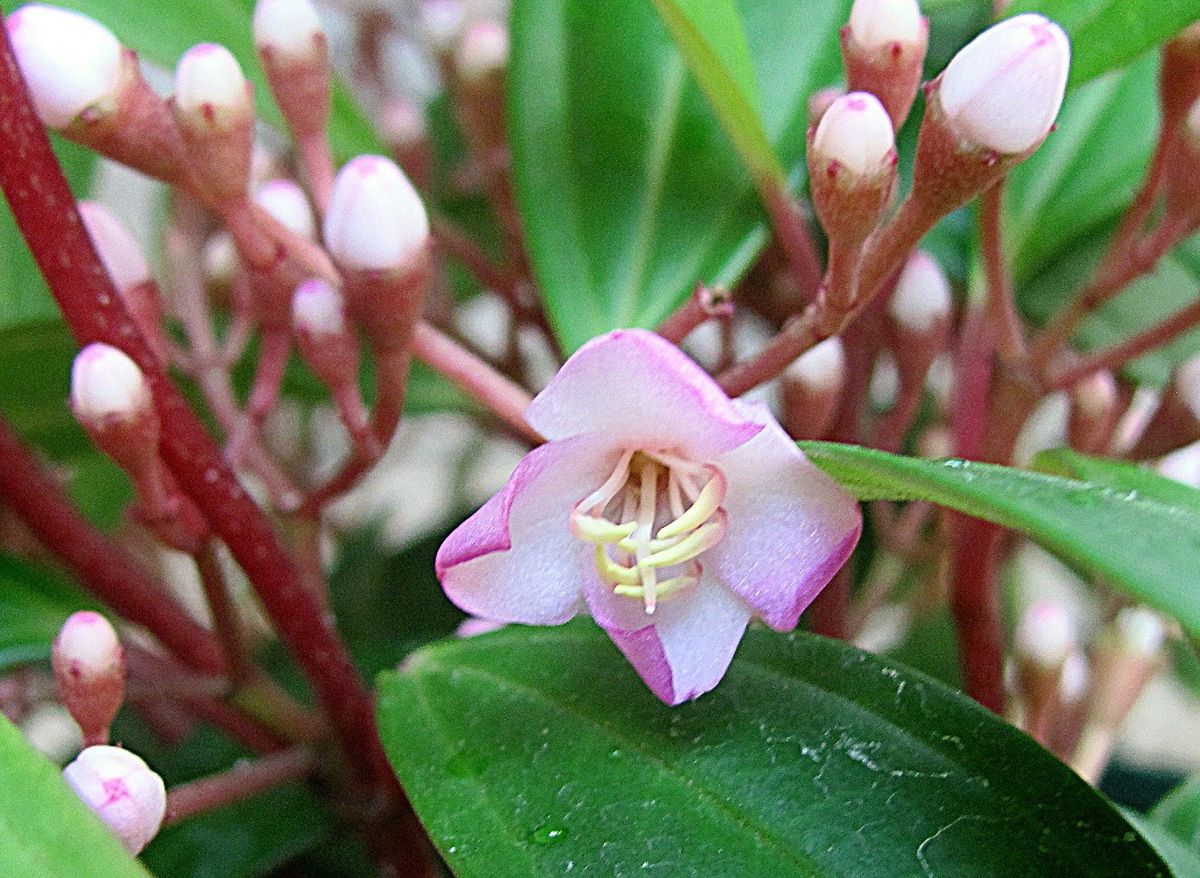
(1118, 355)
(1002, 309)
(794, 236)
(100, 566)
(704, 304)
(245, 780)
(224, 614)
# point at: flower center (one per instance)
(650, 521)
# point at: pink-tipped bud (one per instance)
(289, 30)
(123, 792)
(1045, 635)
(483, 51)
(443, 21)
(811, 387)
(1140, 632)
(107, 387)
(210, 89)
(879, 24)
(318, 310)
(820, 101)
(116, 246)
(852, 167)
(89, 666)
(286, 201)
(1003, 90)
(376, 220)
(855, 132)
(70, 62)
(922, 301)
(1093, 416)
(883, 47)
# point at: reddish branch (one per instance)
(44, 209)
(244, 780)
(99, 565)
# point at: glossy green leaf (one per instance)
(629, 190)
(1179, 813)
(1183, 860)
(1139, 544)
(33, 605)
(539, 752)
(1107, 34)
(45, 830)
(162, 31)
(709, 34)
(1119, 475)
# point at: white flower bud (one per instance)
(1075, 678)
(1182, 466)
(376, 220)
(286, 201)
(922, 298)
(403, 123)
(1096, 395)
(209, 85)
(1003, 90)
(856, 132)
(443, 21)
(1045, 635)
(123, 792)
(318, 309)
(821, 367)
(106, 385)
(1140, 631)
(483, 51)
(89, 667)
(69, 61)
(289, 30)
(875, 24)
(118, 250)
(820, 101)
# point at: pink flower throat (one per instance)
(650, 521)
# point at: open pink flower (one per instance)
(669, 512)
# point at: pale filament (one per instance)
(635, 554)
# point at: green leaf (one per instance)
(161, 32)
(23, 294)
(33, 605)
(1107, 34)
(537, 752)
(1141, 545)
(1179, 813)
(45, 830)
(709, 34)
(1183, 860)
(629, 190)
(1120, 475)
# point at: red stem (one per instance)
(100, 565)
(1002, 309)
(977, 611)
(243, 781)
(45, 211)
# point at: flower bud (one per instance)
(118, 250)
(286, 201)
(884, 49)
(289, 31)
(922, 301)
(89, 666)
(69, 61)
(1093, 413)
(214, 109)
(1182, 466)
(1140, 632)
(406, 131)
(852, 166)
(376, 220)
(1176, 421)
(1045, 635)
(1003, 90)
(123, 792)
(443, 21)
(483, 51)
(811, 387)
(820, 101)
(107, 386)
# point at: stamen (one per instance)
(706, 503)
(645, 520)
(698, 541)
(599, 531)
(613, 573)
(602, 495)
(674, 497)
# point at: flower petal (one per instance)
(642, 390)
(687, 649)
(790, 526)
(515, 559)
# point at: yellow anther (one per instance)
(600, 531)
(629, 544)
(698, 541)
(700, 511)
(613, 573)
(665, 589)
